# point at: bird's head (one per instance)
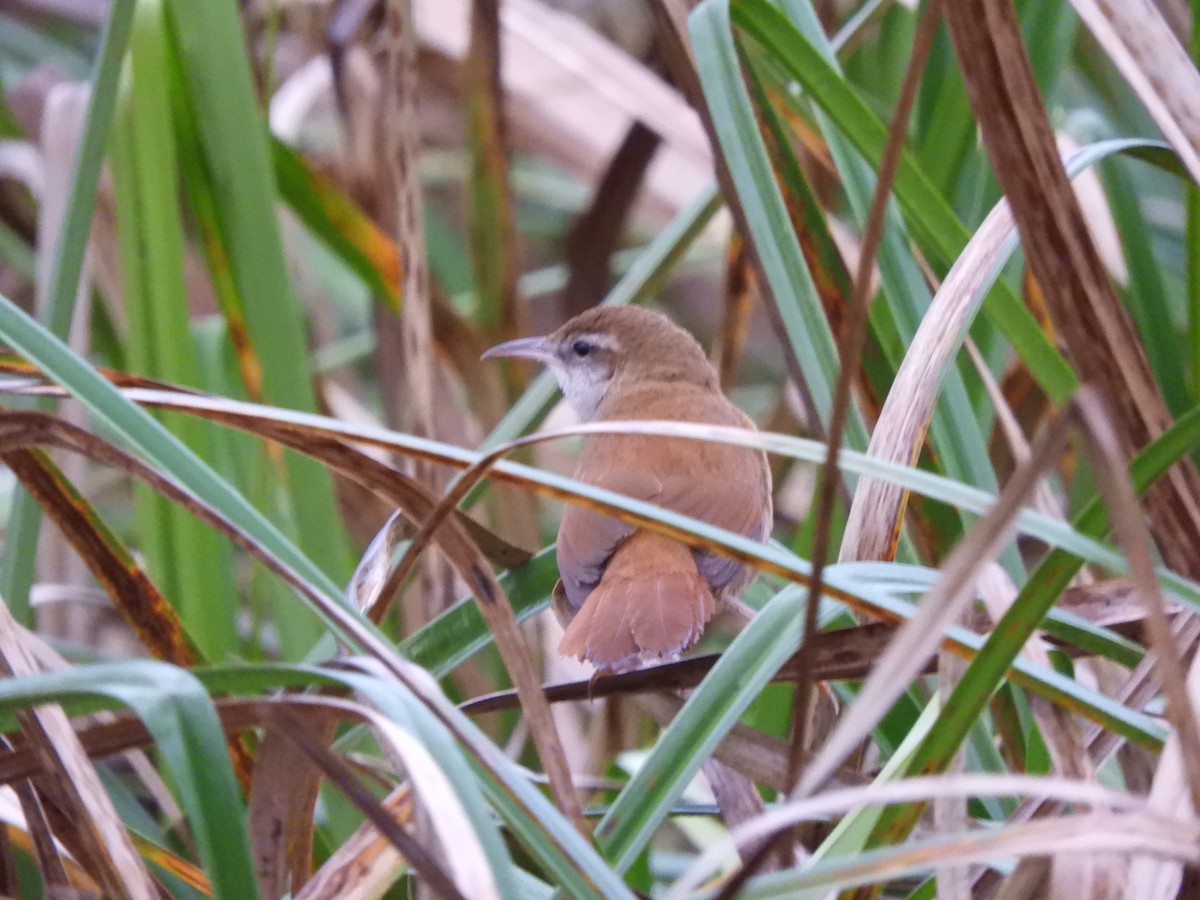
(608, 345)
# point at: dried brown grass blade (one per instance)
(132, 592)
(124, 731)
(1100, 339)
(876, 513)
(422, 859)
(596, 234)
(846, 654)
(738, 294)
(94, 831)
(365, 863)
(737, 798)
(370, 585)
(1113, 481)
(369, 582)
(493, 231)
(406, 346)
(50, 862)
(1113, 604)
(283, 795)
(1141, 44)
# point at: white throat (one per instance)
(583, 387)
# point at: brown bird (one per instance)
(627, 594)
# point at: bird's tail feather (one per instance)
(652, 601)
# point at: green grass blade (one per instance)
(148, 437)
(20, 550)
(741, 673)
(771, 232)
(1146, 294)
(233, 144)
(933, 223)
(188, 559)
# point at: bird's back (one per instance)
(627, 593)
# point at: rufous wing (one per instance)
(588, 539)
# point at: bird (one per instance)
(627, 595)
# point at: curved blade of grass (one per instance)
(900, 429)
(766, 558)
(179, 714)
(148, 437)
(741, 673)
(909, 409)
(21, 539)
(535, 822)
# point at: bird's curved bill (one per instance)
(535, 348)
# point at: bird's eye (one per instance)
(581, 348)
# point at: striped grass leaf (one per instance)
(188, 560)
(233, 146)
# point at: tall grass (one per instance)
(215, 686)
